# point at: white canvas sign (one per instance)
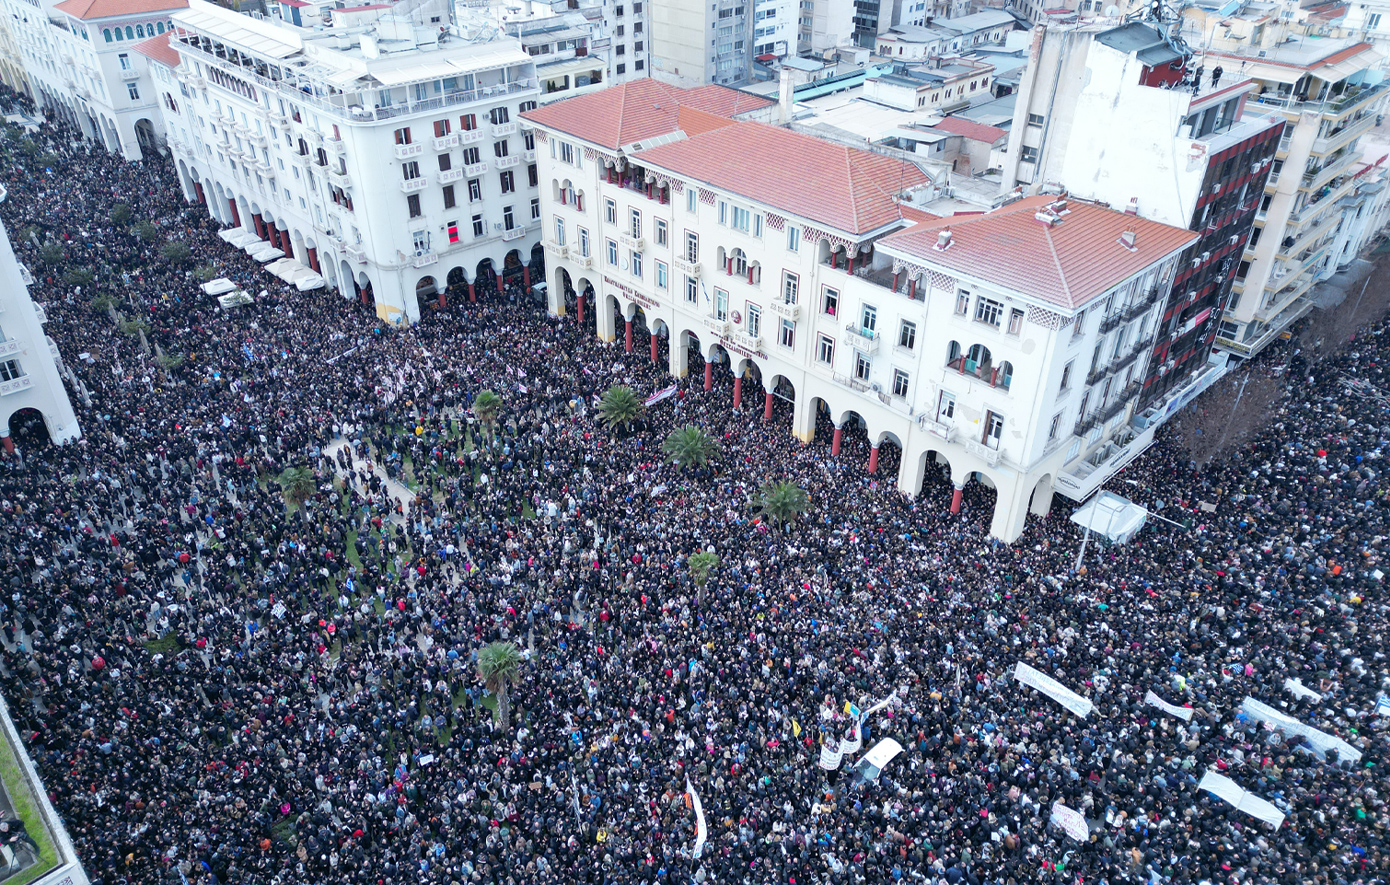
(1052, 688)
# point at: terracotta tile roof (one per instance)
(639, 109)
(1067, 264)
(841, 187)
(971, 129)
(90, 9)
(158, 48)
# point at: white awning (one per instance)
(220, 286)
(306, 282)
(283, 268)
(238, 237)
(241, 32)
(267, 253)
(1112, 516)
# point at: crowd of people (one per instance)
(220, 683)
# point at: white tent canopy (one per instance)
(305, 279)
(283, 268)
(219, 286)
(1118, 519)
(266, 253)
(238, 237)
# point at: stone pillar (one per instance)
(7, 443)
(627, 336)
(472, 294)
(526, 276)
(655, 344)
(835, 443)
(313, 255)
(500, 289)
(259, 223)
(202, 198)
(873, 459)
(955, 498)
(767, 407)
(441, 299)
(579, 307)
(738, 391)
(709, 375)
(363, 293)
(236, 215)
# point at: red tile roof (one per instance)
(294, 4)
(970, 129)
(639, 109)
(1067, 264)
(158, 49)
(90, 9)
(844, 188)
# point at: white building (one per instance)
(30, 385)
(385, 156)
(696, 43)
(961, 343)
(79, 58)
(562, 48)
(824, 25)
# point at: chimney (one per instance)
(943, 240)
(784, 96)
(1127, 240)
(1133, 207)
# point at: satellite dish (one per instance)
(1112, 11)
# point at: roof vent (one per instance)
(943, 240)
(1060, 207)
(1127, 240)
(1048, 217)
(1133, 207)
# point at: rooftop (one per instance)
(1327, 58)
(158, 49)
(91, 9)
(971, 130)
(632, 112)
(1067, 262)
(844, 188)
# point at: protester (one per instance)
(220, 686)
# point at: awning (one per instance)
(307, 282)
(234, 299)
(1112, 516)
(240, 31)
(219, 286)
(267, 253)
(238, 237)
(283, 268)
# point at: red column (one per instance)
(526, 276)
(236, 216)
(8, 443)
(285, 245)
(314, 260)
(654, 346)
(709, 375)
(912, 287)
(472, 296)
(581, 307)
(364, 296)
(500, 290)
(873, 459)
(259, 223)
(627, 336)
(835, 443)
(767, 407)
(895, 281)
(849, 263)
(738, 391)
(201, 197)
(955, 499)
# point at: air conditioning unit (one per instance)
(1234, 239)
(1206, 256)
(876, 387)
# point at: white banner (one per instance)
(1072, 822)
(1153, 700)
(1382, 706)
(700, 831)
(664, 393)
(853, 744)
(864, 717)
(1298, 689)
(1227, 789)
(1318, 741)
(1053, 689)
(830, 755)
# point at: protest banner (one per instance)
(1053, 689)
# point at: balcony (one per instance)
(1340, 137)
(785, 311)
(861, 338)
(444, 142)
(339, 179)
(635, 243)
(559, 250)
(475, 169)
(853, 383)
(750, 342)
(129, 74)
(470, 136)
(989, 373)
(425, 259)
(719, 328)
(1097, 375)
(24, 382)
(529, 156)
(1334, 165)
(412, 185)
(1112, 322)
(313, 137)
(9, 347)
(937, 428)
(356, 255)
(502, 130)
(41, 313)
(582, 261)
(335, 143)
(257, 139)
(987, 454)
(513, 233)
(25, 277)
(406, 151)
(1141, 307)
(508, 161)
(275, 118)
(689, 268)
(1353, 100)
(450, 175)
(305, 160)
(1085, 424)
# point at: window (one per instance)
(584, 242)
(868, 318)
(742, 219)
(945, 407)
(1035, 120)
(907, 335)
(498, 116)
(468, 122)
(994, 429)
(787, 335)
(560, 231)
(899, 383)
(508, 219)
(790, 286)
(124, 59)
(692, 290)
(533, 175)
(610, 211)
(413, 202)
(403, 135)
(445, 163)
(660, 232)
(500, 148)
(622, 69)
(471, 156)
(637, 264)
(441, 128)
(1080, 326)
(9, 370)
(453, 229)
(133, 90)
(830, 302)
(793, 238)
(1066, 379)
(825, 350)
(634, 224)
(567, 152)
(1029, 155)
(1372, 21)
(535, 208)
(962, 303)
(449, 201)
(106, 32)
(690, 200)
(723, 212)
(661, 275)
(721, 304)
(692, 247)
(1055, 427)
(475, 190)
(410, 170)
(755, 321)
(861, 366)
(508, 182)
(477, 225)
(421, 241)
(613, 253)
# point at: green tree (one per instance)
(499, 665)
(700, 565)
(297, 483)
(120, 214)
(487, 406)
(620, 407)
(204, 272)
(51, 253)
(176, 253)
(79, 276)
(689, 446)
(782, 502)
(146, 232)
(104, 303)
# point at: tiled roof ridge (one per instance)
(1057, 260)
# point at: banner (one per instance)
(830, 755)
(864, 716)
(1299, 690)
(1183, 713)
(1318, 741)
(1382, 706)
(1053, 689)
(664, 393)
(1224, 788)
(853, 744)
(1072, 822)
(700, 831)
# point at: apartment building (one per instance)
(961, 345)
(384, 155)
(694, 43)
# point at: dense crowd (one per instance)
(223, 685)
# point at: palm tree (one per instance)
(297, 483)
(499, 665)
(782, 502)
(689, 446)
(620, 407)
(700, 565)
(486, 407)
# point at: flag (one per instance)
(700, 831)
(662, 394)
(796, 729)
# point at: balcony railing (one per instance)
(1086, 423)
(411, 185)
(23, 382)
(529, 156)
(988, 454)
(988, 372)
(862, 338)
(406, 151)
(444, 142)
(939, 428)
(689, 268)
(356, 255)
(8, 347)
(425, 259)
(339, 179)
(785, 311)
(470, 136)
(1111, 322)
(508, 161)
(513, 233)
(631, 242)
(851, 382)
(719, 328)
(450, 175)
(130, 74)
(502, 130)
(475, 169)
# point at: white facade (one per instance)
(694, 43)
(775, 27)
(29, 369)
(825, 25)
(389, 162)
(960, 367)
